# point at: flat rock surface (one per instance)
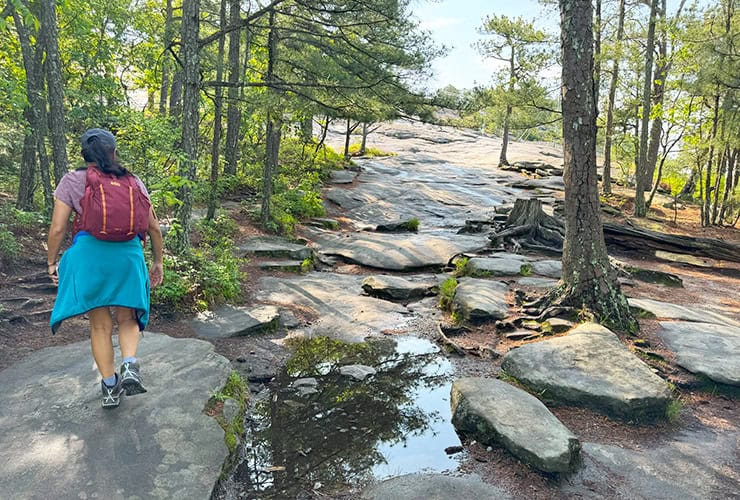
(337, 303)
(57, 442)
(500, 265)
(398, 288)
(234, 321)
(665, 310)
(434, 487)
(590, 367)
(705, 348)
(537, 282)
(274, 246)
(396, 252)
(479, 299)
(492, 411)
(696, 464)
(548, 268)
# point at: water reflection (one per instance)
(334, 431)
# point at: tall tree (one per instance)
(190, 55)
(55, 87)
(589, 280)
(643, 179)
(217, 125)
(606, 185)
(522, 47)
(233, 112)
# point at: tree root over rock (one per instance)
(528, 226)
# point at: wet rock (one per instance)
(493, 411)
(590, 367)
(57, 441)
(231, 321)
(396, 288)
(261, 359)
(500, 265)
(481, 300)
(282, 248)
(357, 372)
(434, 487)
(707, 349)
(549, 268)
(397, 252)
(230, 410)
(665, 310)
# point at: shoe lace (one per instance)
(109, 398)
(128, 373)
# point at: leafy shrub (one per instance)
(447, 293)
(354, 150)
(9, 248)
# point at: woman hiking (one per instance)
(104, 269)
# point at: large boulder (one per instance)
(493, 411)
(590, 367)
(57, 441)
(397, 288)
(480, 299)
(500, 265)
(705, 348)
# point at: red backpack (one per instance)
(113, 208)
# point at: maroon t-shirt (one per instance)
(71, 189)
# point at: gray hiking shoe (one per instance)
(112, 395)
(131, 379)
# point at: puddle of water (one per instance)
(319, 430)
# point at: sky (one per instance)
(454, 24)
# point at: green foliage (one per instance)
(9, 248)
(235, 388)
(461, 266)
(673, 410)
(525, 270)
(354, 150)
(447, 293)
(207, 274)
(411, 225)
(311, 356)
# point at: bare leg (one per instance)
(128, 331)
(101, 330)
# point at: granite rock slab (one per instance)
(58, 442)
(590, 367)
(705, 348)
(493, 411)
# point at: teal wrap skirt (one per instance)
(95, 273)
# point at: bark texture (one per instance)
(589, 281)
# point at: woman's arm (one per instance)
(155, 234)
(57, 230)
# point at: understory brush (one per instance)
(208, 274)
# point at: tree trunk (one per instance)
(588, 278)
(217, 112)
(502, 160)
(48, 32)
(347, 137)
(307, 129)
(597, 55)
(35, 112)
(656, 128)
(365, 132)
(273, 128)
(687, 191)
(176, 94)
(27, 174)
(731, 165)
(707, 201)
(233, 113)
(606, 182)
(190, 118)
(641, 175)
(721, 166)
(167, 46)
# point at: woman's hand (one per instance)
(155, 275)
(53, 274)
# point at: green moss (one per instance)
(410, 225)
(525, 270)
(673, 410)
(235, 388)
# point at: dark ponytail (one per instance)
(99, 147)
